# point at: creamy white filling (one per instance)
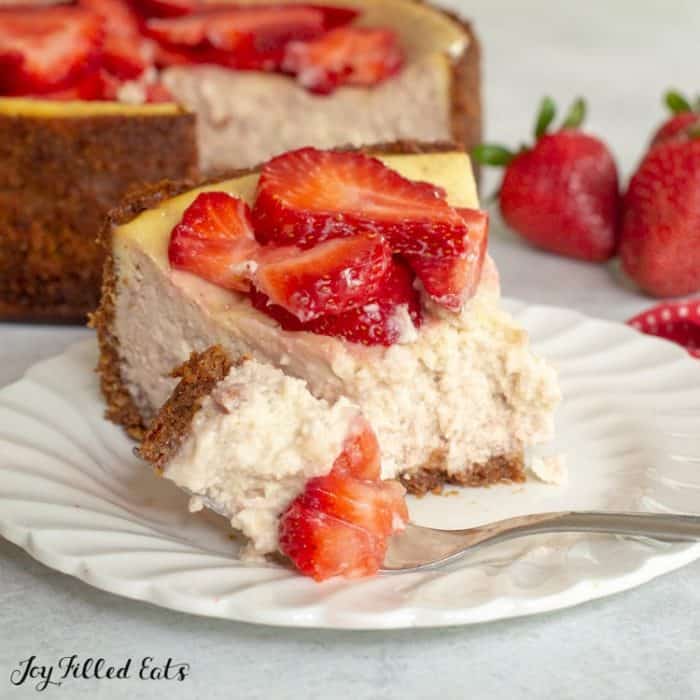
(467, 386)
(245, 118)
(254, 443)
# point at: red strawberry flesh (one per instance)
(376, 322)
(339, 525)
(345, 56)
(213, 239)
(308, 196)
(330, 278)
(450, 281)
(43, 50)
(242, 37)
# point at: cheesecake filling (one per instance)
(467, 388)
(415, 104)
(258, 437)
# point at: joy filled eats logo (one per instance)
(31, 671)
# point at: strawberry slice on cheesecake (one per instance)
(364, 277)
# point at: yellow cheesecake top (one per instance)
(150, 230)
(50, 109)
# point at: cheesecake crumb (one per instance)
(550, 469)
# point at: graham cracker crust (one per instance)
(58, 179)
(430, 477)
(198, 376)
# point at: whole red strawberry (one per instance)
(660, 239)
(684, 120)
(561, 194)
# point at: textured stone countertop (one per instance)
(640, 644)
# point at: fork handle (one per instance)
(660, 526)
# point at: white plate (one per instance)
(73, 495)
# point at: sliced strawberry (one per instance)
(330, 278)
(371, 505)
(450, 281)
(89, 87)
(308, 196)
(339, 525)
(379, 321)
(168, 8)
(46, 49)
(322, 546)
(213, 240)
(360, 455)
(344, 56)
(124, 53)
(244, 37)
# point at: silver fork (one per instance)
(418, 548)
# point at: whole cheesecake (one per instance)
(446, 380)
(99, 137)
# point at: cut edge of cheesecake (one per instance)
(50, 217)
(121, 407)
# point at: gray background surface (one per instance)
(641, 644)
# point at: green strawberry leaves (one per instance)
(545, 117)
(576, 114)
(678, 103)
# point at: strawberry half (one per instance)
(378, 321)
(345, 56)
(214, 239)
(242, 37)
(450, 281)
(44, 49)
(340, 523)
(330, 278)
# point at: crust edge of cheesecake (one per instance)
(122, 410)
(50, 264)
(198, 376)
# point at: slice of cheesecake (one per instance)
(63, 165)
(90, 153)
(245, 117)
(293, 473)
(452, 390)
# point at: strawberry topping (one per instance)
(344, 56)
(242, 37)
(451, 280)
(214, 240)
(308, 196)
(124, 52)
(43, 50)
(380, 320)
(340, 523)
(328, 279)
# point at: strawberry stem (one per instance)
(576, 114)
(545, 117)
(676, 102)
(492, 154)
